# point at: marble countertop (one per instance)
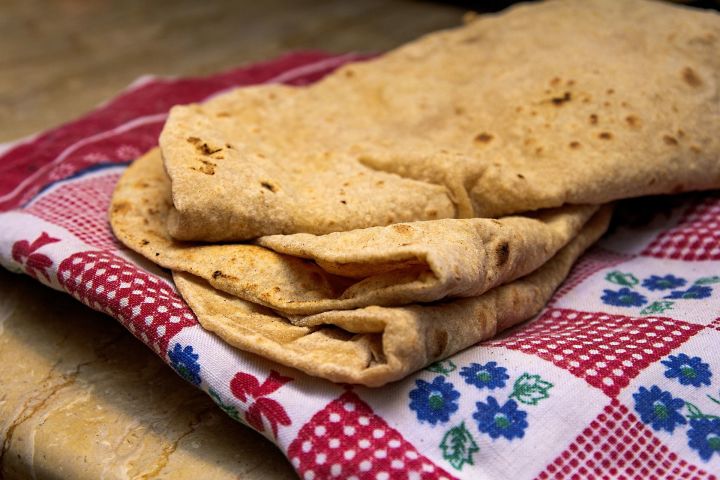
(79, 396)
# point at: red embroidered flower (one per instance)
(22, 252)
(245, 386)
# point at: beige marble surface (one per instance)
(80, 398)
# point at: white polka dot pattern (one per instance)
(696, 238)
(146, 305)
(347, 440)
(606, 350)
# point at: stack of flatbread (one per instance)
(405, 208)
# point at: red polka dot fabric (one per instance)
(80, 207)
(347, 440)
(149, 307)
(695, 238)
(607, 351)
(617, 378)
(617, 445)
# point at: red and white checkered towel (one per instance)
(619, 377)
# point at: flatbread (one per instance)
(304, 274)
(561, 102)
(376, 345)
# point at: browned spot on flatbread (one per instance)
(207, 167)
(559, 101)
(403, 229)
(691, 77)
(574, 145)
(483, 137)
(633, 121)
(121, 207)
(593, 119)
(503, 253)
(207, 150)
(670, 140)
(269, 186)
(605, 136)
(193, 140)
(216, 274)
(439, 343)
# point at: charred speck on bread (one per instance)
(558, 101)
(269, 186)
(483, 137)
(503, 253)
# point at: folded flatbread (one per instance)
(304, 274)
(375, 345)
(562, 102)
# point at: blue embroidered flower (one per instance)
(184, 361)
(506, 421)
(693, 293)
(434, 402)
(623, 298)
(488, 375)
(659, 408)
(689, 371)
(655, 282)
(704, 436)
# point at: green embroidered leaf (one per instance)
(229, 409)
(624, 279)
(694, 411)
(714, 399)
(707, 280)
(442, 367)
(458, 446)
(530, 389)
(657, 307)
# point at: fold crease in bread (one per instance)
(376, 345)
(304, 274)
